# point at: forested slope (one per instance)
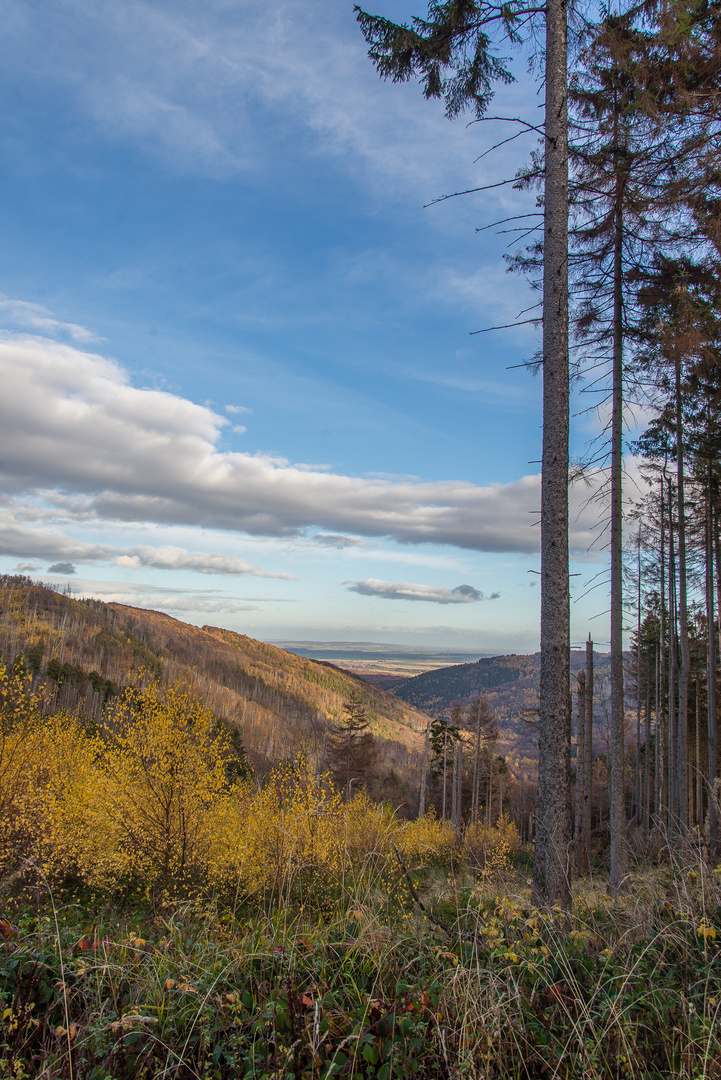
(86, 651)
(510, 684)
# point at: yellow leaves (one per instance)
(706, 932)
(69, 1032)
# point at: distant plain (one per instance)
(379, 658)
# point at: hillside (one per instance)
(510, 683)
(86, 651)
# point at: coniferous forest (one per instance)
(220, 860)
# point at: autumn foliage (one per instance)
(149, 795)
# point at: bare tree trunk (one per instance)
(672, 673)
(552, 861)
(588, 754)
(459, 783)
(476, 790)
(580, 766)
(647, 749)
(445, 761)
(619, 853)
(698, 801)
(684, 674)
(637, 777)
(711, 719)
(661, 733)
(424, 772)
(454, 789)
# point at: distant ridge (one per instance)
(510, 684)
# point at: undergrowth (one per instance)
(93, 989)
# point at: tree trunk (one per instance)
(588, 749)
(476, 791)
(552, 860)
(637, 778)
(684, 674)
(424, 772)
(580, 767)
(619, 854)
(647, 748)
(712, 723)
(672, 673)
(454, 789)
(445, 764)
(661, 733)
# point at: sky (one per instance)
(240, 376)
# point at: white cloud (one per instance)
(406, 590)
(15, 539)
(76, 433)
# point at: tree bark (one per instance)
(552, 860)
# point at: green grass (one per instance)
(367, 987)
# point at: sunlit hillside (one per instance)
(86, 651)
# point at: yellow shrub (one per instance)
(427, 840)
(490, 846)
(165, 766)
(274, 836)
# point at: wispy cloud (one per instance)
(38, 318)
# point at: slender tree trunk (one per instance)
(459, 785)
(445, 762)
(647, 748)
(672, 673)
(661, 728)
(637, 778)
(580, 766)
(657, 734)
(424, 772)
(588, 755)
(553, 854)
(454, 788)
(698, 807)
(711, 718)
(619, 854)
(476, 795)
(684, 674)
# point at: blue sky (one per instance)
(239, 380)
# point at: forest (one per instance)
(218, 860)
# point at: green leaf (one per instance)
(370, 1053)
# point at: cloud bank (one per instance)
(20, 541)
(75, 433)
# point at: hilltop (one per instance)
(86, 651)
